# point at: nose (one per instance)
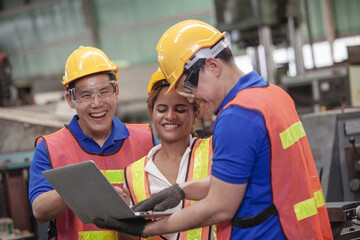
(96, 99)
(170, 114)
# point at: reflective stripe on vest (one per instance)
(306, 208)
(309, 207)
(201, 160)
(98, 235)
(114, 176)
(198, 168)
(296, 187)
(138, 180)
(292, 135)
(63, 149)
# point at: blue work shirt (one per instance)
(38, 184)
(242, 155)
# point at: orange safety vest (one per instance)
(296, 188)
(199, 167)
(63, 149)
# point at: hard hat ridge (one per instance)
(180, 42)
(85, 61)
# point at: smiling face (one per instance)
(209, 91)
(173, 116)
(95, 115)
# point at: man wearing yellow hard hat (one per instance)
(263, 173)
(94, 133)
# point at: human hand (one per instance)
(124, 193)
(163, 200)
(133, 227)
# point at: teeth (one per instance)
(170, 125)
(96, 115)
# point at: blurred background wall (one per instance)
(311, 48)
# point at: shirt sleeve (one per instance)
(37, 182)
(238, 138)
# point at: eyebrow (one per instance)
(181, 105)
(87, 90)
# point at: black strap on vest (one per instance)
(52, 232)
(255, 220)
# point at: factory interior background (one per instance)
(310, 48)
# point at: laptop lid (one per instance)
(89, 194)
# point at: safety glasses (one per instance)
(83, 95)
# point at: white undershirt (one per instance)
(158, 181)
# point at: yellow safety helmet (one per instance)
(85, 61)
(180, 42)
(155, 77)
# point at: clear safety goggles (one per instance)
(83, 95)
(193, 67)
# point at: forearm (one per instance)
(47, 206)
(194, 216)
(219, 205)
(196, 190)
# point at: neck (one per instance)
(172, 151)
(168, 159)
(99, 137)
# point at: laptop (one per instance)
(90, 195)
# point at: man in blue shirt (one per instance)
(94, 133)
(260, 149)
(239, 160)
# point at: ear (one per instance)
(70, 100)
(213, 65)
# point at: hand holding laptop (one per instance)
(133, 227)
(90, 195)
(166, 199)
(124, 193)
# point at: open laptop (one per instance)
(90, 195)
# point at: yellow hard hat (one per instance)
(85, 61)
(155, 77)
(180, 42)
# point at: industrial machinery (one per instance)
(334, 138)
(20, 128)
(9, 94)
(324, 89)
(243, 18)
(5, 80)
(344, 218)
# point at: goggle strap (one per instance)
(72, 93)
(208, 52)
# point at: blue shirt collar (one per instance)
(252, 79)
(118, 132)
